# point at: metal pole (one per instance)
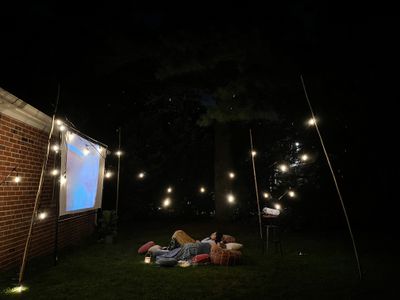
(255, 184)
(334, 179)
(119, 164)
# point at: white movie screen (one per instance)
(82, 172)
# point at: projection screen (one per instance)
(82, 174)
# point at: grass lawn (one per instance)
(99, 271)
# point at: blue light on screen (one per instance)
(82, 174)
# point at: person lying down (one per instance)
(184, 247)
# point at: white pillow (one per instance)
(154, 248)
(233, 246)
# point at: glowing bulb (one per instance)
(166, 202)
(63, 179)
(147, 260)
(85, 151)
(202, 190)
(311, 121)
(283, 168)
(266, 195)
(62, 127)
(118, 153)
(277, 206)
(55, 147)
(291, 194)
(17, 179)
(169, 190)
(253, 153)
(231, 175)
(304, 157)
(59, 122)
(108, 174)
(70, 136)
(231, 198)
(141, 175)
(297, 144)
(42, 215)
(55, 172)
(18, 289)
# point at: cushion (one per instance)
(233, 246)
(225, 257)
(166, 261)
(144, 248)
(154, 248)
(228, 239)
(201, 258)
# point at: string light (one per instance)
(55, 148)
(55, 172)
(42, 215)
(253, 153)
(231, 175)
(17, 179)
(63, 179)
(167, 202)
(291, 194)
(141, 175)
(311, 121)
(202, 190)
(304, 157)
(297, 144)
(62, 127)
(278, 206)
(266, 195)
(231, 198)
(108, 174)
(283, 168)
(59, 122)
(169, 190)
(118, 153)
(70, 136)
(85, 151)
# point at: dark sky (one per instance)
(346, 53)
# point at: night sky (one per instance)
(110, 61)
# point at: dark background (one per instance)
(107, 57)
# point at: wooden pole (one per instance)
(28, 240)
(255, 184)
(334, 179)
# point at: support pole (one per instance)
(334, 179)
(255, 184)
(28, 240)
(119, 164)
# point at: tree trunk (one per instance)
(222, 165)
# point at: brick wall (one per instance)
(24, 146)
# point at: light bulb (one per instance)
(166, 202)
(291, 194)
(202, 190)
(230, 198)
(231, 175)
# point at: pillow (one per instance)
(228, 239)
(166, 261)
(233, 246)
(154, 248)
(144, 248)
(225, 257)
(201, 258)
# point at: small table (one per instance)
(271, 223)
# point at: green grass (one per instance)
(99, 271)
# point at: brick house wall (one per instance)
(23, 144)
